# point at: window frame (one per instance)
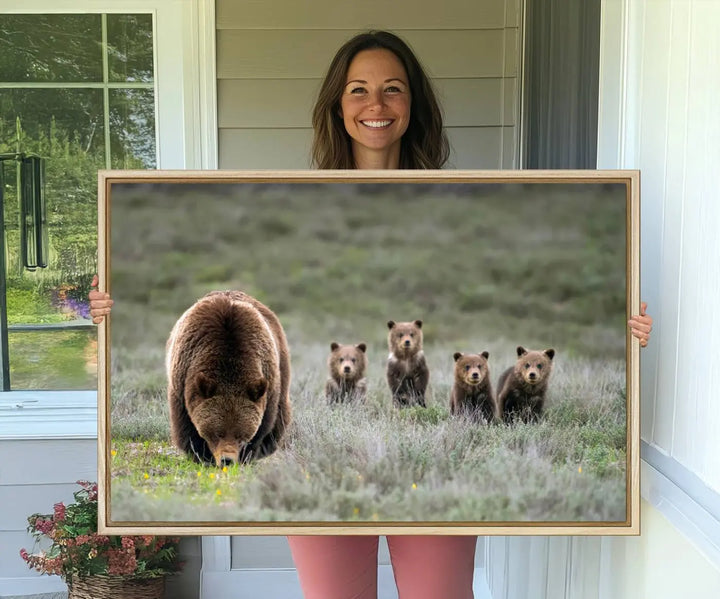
(186, 138)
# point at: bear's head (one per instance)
(534, 367)
(226, 416)
(347, 362)
(405, 339)
(471, 369)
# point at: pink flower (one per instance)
(59, 510)
(128, 543)
(121, 562)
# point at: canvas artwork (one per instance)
(345, 352)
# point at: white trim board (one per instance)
(48, 415)
(691, 519)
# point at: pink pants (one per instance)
(425, 567)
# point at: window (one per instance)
(77, 90)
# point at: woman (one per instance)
(377, 110)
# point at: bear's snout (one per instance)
(475, 375)
(347, 370)
(532, 376)
(407, 343)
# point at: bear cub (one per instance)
(407, 371)
(522, 387)
(347, 365)
(472, 391)
(228, 369)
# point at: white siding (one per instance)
(34, 475)
(659, 84)
(671, 131)
(271, 60)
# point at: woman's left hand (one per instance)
(641, 325)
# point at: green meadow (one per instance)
(486, 267)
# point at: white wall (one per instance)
(659, 85)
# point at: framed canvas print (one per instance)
(355, 352)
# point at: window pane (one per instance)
(130, 48)
(54, 359)
(50, 118)
(132, 128)
(64, 126)
(51, 344)
(58, 48)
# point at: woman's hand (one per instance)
(100, 303)
(641, 325)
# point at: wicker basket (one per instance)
(116, 587)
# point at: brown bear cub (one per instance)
(228, 368)
(407, 372)
(472, 391)
(522, 388)
(347, 365)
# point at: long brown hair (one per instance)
(424, 145)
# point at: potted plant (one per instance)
(94, 565)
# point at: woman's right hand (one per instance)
(100, 302)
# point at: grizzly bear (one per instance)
(347, 365)
(522, 388)
(228, 369)
(407, 372)
(472, 391)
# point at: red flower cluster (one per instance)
(78, 550)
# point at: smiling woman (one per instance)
(375, 108)
(376, 97)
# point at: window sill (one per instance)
(48, 415)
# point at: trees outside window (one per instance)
(79, 91)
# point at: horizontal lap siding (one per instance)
(271, 60)
(34, 475)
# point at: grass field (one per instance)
(485, 267)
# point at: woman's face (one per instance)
(375, 104)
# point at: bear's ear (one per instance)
(457, 355)
(521, 351)
(206, 387)
(418, 324)
(362, 347)
(485, 354)
(391, 324)
(257, 389)
(334, 345)
(550, 353)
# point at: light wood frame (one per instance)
(630, 526)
